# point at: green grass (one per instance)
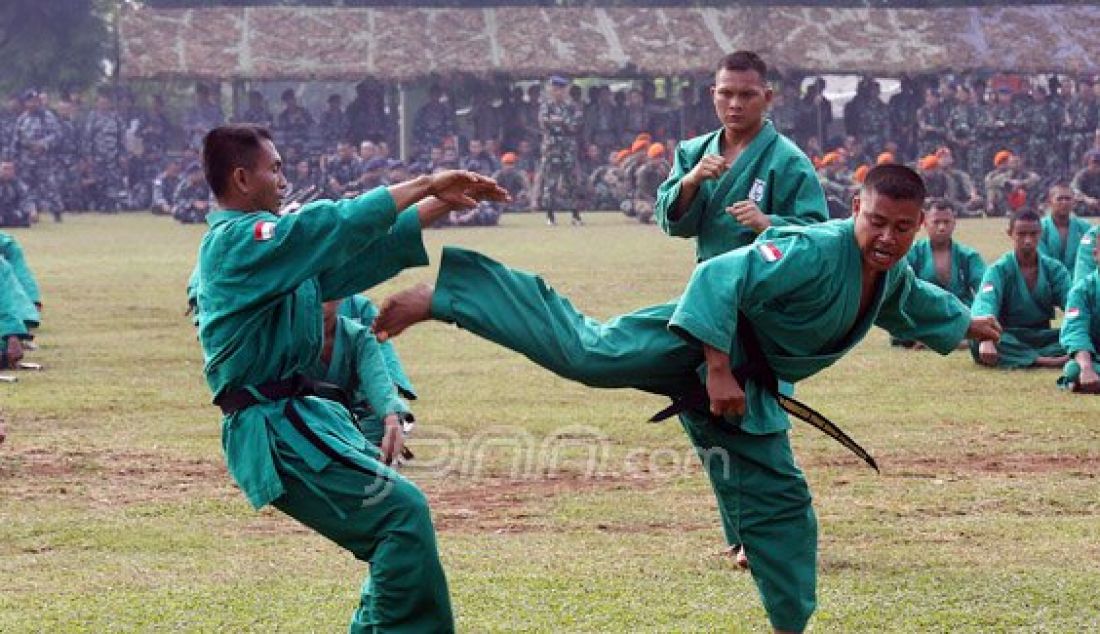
(116, 513)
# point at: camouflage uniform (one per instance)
(36, 136)
(1000, 127)
(164, 193)
(16, 206)
(516, 183)
(7, 133)
(874, 126)
(1041, 139)
(931, 128)
(67, 155)
(647, 180)
(102, 139)
(347, 173)
(962, 125)
(558, 187)
(1080, 127)
(187, 194)
(294, 126)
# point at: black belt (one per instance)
(756, 369)
(289, 389)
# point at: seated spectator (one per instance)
(345, 172)
(303, 177)
(960, 187)
(934, 179)
(1086, 184)
(1021, 289)
(1080, 334)
(396, 172)
(648, 176)
(515, 181)
(1009, 186)
(1062, 229)
(486, 214)
(164, 188)
(837, 187)
(941, 260)
(374, 173)
(16, 206)
(192, 198)
(478, 160)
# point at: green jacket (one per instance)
(1004, 293)
(771, 171)
(967, 268)
(1050, 241)
(1084, 262)
(13, 253)
(800, 289)
(1081, 326)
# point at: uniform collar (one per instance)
(223, 215)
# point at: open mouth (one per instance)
(880, 256)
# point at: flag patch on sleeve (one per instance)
(1086, 240)
(263, 231)
(770, 252)
(987, 287)
(1073, 312)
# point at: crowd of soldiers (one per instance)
(557, 147)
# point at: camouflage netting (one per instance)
(276, 43)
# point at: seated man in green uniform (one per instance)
(261, 282)
(1062, 229)
(727, 186)
(1021, 289)
(13, 253)
(1081, 333)
(941, 260)
(18, 315)
(1084, 263)
(810, 294)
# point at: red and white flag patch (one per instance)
(1072, 312)
(263, 230)
(769, 251)
(1086, 240)
(987, 288)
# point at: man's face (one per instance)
(7, 171)
(366, 150)
(636, 98)
(557, 93)
(265, 181)
(740, 99)
(436, 154)
(345, 151)
(885, 228)
(1014, 162)
(301, 169)
(32, 104)
(475, 146)
(1061, 201)
(1025, 237)
(940, 225)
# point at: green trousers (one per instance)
(383, 519)
(763, 498)
(1021, 347)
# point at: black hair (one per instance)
(227, 147)
(1023, 215)
(895, 181)
(744, 61)
(945, 204)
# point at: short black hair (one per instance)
(227, 147)
(744, 61)
(896, 181)
(1025, 214)
(944, 204)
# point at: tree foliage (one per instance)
(56, 45)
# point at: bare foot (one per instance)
(15, 351)
(738, 555)
(408, 307)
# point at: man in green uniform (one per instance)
(809, 293)
(261, 281)
(727, 186)
(18, 315)
(13, 253)
(1021, 290)
(1081, 333)
(1085, 263)
(1062, 229)
(941, 260)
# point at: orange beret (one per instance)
(509, 157)
(655, 150)
(886, 158)
(861, 173)
(620, 155)
(1000, 158)
(929, 162)
(639, 145)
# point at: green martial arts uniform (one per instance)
(262, 281)
(1085, 263)
(362, 309)
(13, 253)
(799, 286)
(1081, 326)
(1051, 245)
(966, 270)
(359, 366)
(18, 314)
(771, 171)
(1024, 313)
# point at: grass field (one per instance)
(116, 513)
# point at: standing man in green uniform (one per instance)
(1062, 229)
(1081, 333)
(1021, 290)
(809, 293)
(941, 260)
(261, 281)
(729, 185)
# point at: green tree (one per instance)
(55, 44)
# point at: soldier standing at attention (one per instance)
(102, 140)
(560, 121)
(36, 134)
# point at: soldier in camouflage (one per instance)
(7, 125)
(931, 124)
(1000, 126)
(192, 198)
(962, 123)
(1041, 138)
(560, 121)
(874, 121)
(36, 135)
(103, 147)
(16, 206)
(68, 154)
(1080, 123)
